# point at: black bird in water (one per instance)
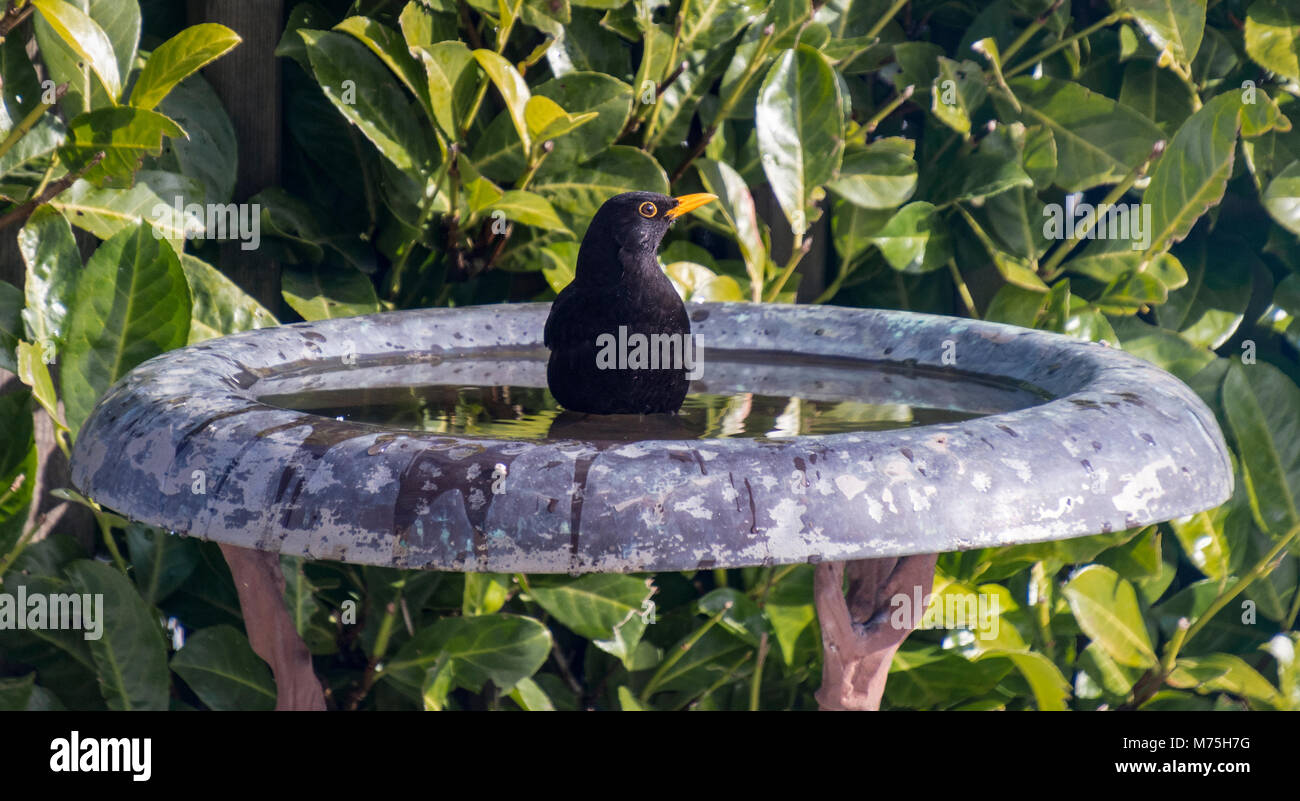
(619, 334)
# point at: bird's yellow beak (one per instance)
(687, 203)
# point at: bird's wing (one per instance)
(563, 306)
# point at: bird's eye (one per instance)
(647, 209)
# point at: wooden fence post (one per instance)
(247, 79)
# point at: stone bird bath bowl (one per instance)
(1076, 438)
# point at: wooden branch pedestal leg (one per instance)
(270, 629)
(857, 634)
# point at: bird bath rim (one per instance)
(1122, 444)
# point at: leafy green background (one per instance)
(446, 153)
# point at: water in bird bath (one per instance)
(750, 395)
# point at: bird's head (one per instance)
(627, 230)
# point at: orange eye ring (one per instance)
(647, 210)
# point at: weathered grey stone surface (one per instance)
(1122, 444)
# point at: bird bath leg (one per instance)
(270, 629)
(857, 634)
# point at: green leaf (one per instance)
(501, 648)
(881, 175)
(707, 24)
(313, 623)
(627, 701)
(1162, 347)
(514, 92)
(162, 561)
(584, 45)
(790, 610)
(1226, 673)
(16, 692)
(980, 175)
(124, 134)
(1193, 173)
(957, 91)
(178, 58)
(33, 372)
(209, 153)
(1175, 25)
(1016, 305)
(710, 658)
(1107, 259)
(83, 35)
(420, 22)
(439, 681)
(531, 697)
(548, 16)
(484, 593)
(918, 65)
(53, 267)
(1273, 36)
(735, 207)
(1110, 676)
(742, 618)
(579, 191)
(294, 220)
(1038, 156)
(528, 208)
(319, 292)
(546, 119)
(219, 306)
(225, 673)
(364, 92)
(1209, 309)
(1098, 141)
(1130, 292)
(1106, 608)
(677, 105)
(479, 191)
(610, 609)
(929, 677)
(800, 123)
(656, 45)
(1051, 690)
(1157, 93)
(1015, 218)
(11, 325)
(107, 212)
(39, 143)
(585, 92)
(18, 467)
(1087, 322)
(562, 264)
(696, 283)
(390, 47)
(1262, 405)
(1207, 537)
(21, 91)
(852, 227)
(132, 303)
(1282, 198)
(130, 656)
(914, 240)
(450, 83)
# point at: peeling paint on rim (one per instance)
(1122, 444)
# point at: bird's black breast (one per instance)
(645, 303)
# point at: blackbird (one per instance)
(598, 363)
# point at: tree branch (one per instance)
(13, 17)
(21, 212)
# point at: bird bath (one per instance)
(1031, 436)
